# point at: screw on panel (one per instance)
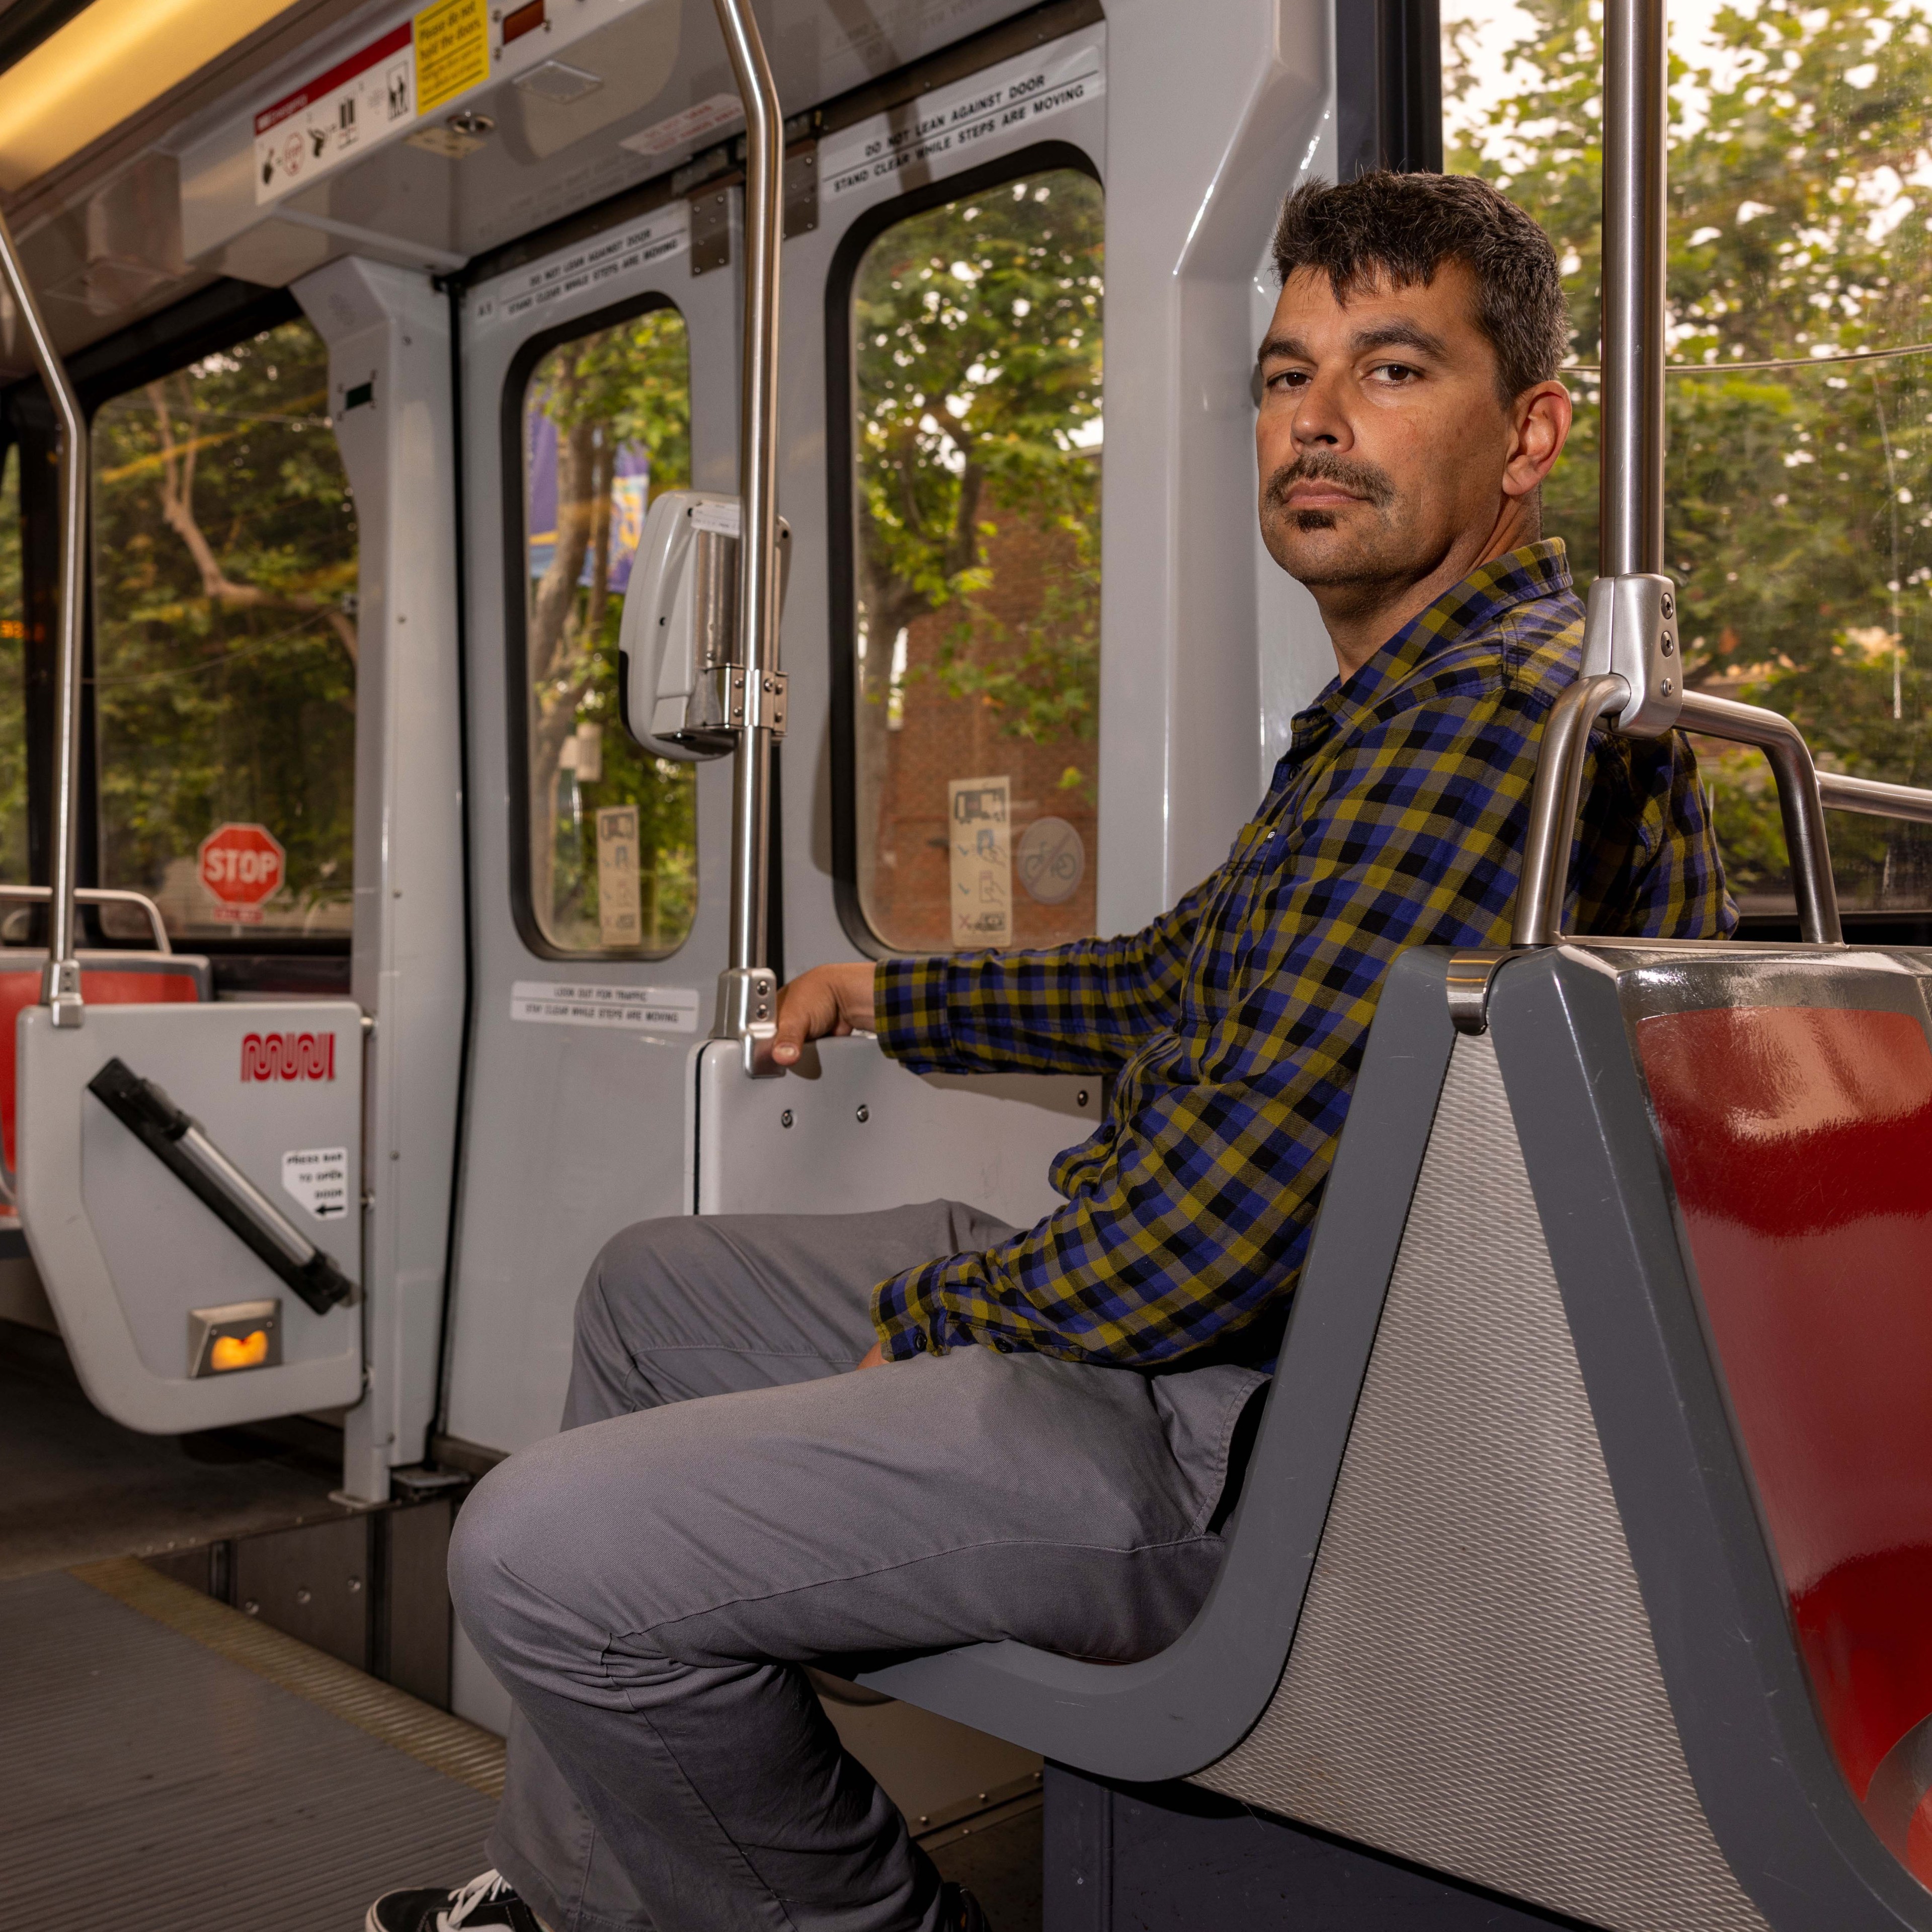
(784, 1119)
(865, 1113)
(1080, 1099)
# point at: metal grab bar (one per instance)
(1799, 804)
(60, 984)
(747, 988)
(1841, 792)
(1803, 793)
(100, 895)
(178, 1141)
(1553, 804)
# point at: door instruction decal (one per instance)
(666, 232)
(977, 821)
(637, 1008)
(452, 51)
(418, 66)
(318, 1177)
(319, 126)
(955, 121)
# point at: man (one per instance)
(1039, 1446)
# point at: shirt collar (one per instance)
(1540, 569)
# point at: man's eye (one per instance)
(1397, 373)
(1287, 379)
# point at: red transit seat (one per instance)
(1800, 1141)
(106, 979)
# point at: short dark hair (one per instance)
(1404, 226)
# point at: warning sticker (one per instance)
(977, 820)
(643, 1008)
(334, 116)
(318, 1178)
(955, 121)
(667, 233)
(452, 50)
(720, 111)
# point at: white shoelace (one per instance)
(485, 1889)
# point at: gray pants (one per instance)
(728, 1502)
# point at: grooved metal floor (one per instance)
(147, 1782)
(75, 1487)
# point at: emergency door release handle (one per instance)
(178, 1143)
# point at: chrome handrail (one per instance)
(1633, 667)
(1799, 804)
(1553, 805)
(1805, 794)
(1840, 792)
(1635, 102)
(100, 895)
(60, 984)
(747, 989)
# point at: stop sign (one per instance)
(241, 864)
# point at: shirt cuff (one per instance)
(909, 1318)
(909, 1011)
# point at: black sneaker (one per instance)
(960, 1910)
(487, 1903)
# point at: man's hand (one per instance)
(830, 1000)
(875, 1357)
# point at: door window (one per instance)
(224, 645)
(976, 438)
(606, 426)
(1800, 404)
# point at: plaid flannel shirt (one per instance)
(1233, 1025)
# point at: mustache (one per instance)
(1320, 466)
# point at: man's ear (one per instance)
(1539, 423)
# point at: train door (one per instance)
(186, 1139)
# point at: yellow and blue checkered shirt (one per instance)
(1233, 1025)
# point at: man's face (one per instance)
(1381, 436)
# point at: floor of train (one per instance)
(168, 1762)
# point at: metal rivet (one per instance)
(302, 1596)
(865, 1113)
(1669, 643)
(1668, 687)
(1080, 1099)
(355, 1586)
(1669, 605)
(784, 1119)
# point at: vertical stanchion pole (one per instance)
(60, 984)
(1635, 103)
(747, 988)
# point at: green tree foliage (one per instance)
(1800, 521)
(627, 387)
(225, 575)
(977, 328)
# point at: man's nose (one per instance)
(1320, 420)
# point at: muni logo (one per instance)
(288, 1056)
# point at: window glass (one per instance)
(607, 426)
(976, 332)
(12, 680)
(224, 644)
(1800, 465)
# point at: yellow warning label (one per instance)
(452, 50)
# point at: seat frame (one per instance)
(1562, 1018)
